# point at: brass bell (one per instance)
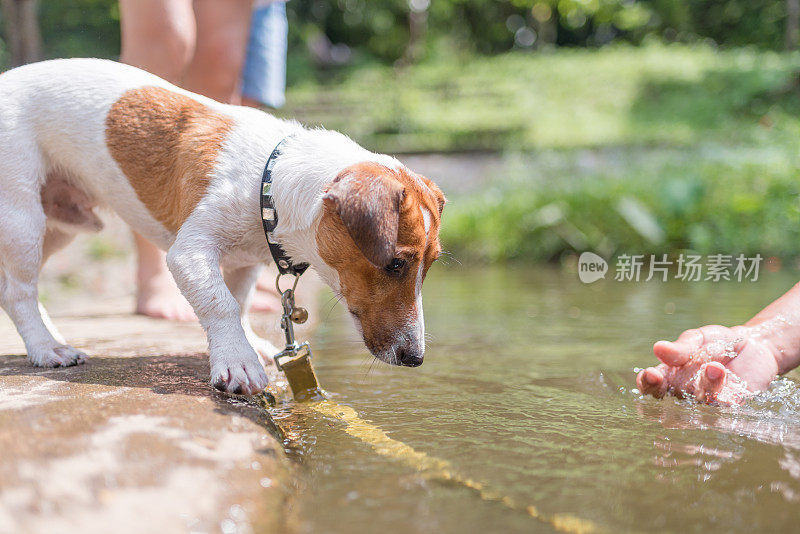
(299, 315)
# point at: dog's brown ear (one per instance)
(440, 198)
(367, 198)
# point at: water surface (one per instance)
(527, 386)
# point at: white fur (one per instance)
(419, 325)
(53, 120)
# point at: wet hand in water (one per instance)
(713, 364)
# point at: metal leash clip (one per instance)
(295, 359)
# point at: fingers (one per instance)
(672, 353)
(711, 382)
(651, 381)
(681, 373)
(679, 352)
(714, 373)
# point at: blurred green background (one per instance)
(656, 126)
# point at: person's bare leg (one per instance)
(222, 30)
(215, 71)
(266, 297)
(159, 37)
(157, 294)
(251, 103)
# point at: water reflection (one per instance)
(770, 418)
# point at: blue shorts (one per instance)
(264, 74)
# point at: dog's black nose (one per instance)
(409, 358)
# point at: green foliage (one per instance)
(619, 95)
(381, 29)
(727, 22)
(708, 200)
(4, 60)
(73, 28)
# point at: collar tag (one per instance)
(295, 362)
(295, 359)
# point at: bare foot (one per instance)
(713, 364)
(264, 301)
(159, 297)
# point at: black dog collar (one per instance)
(269, 218)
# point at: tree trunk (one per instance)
(547, 33)
(792, 23)
(417, 26)
(545, 24)
(22, 31)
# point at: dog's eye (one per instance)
(395, 266)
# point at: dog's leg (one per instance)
(21, 253)
(195, 265)
(241, 283)
(54, 240)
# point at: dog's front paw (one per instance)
(239, 376)
(58, 356)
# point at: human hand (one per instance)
(713, 364)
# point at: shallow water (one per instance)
(527, 386)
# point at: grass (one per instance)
(633, 200)
(616, 96)
(101, 248)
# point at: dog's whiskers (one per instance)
(338, 299)
(365, 367)
(451, 258)
(371, 365)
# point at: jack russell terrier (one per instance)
(185, 172)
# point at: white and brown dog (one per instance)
(185, 172)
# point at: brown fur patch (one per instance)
(384, 303)
(166, 144)
(369, 205)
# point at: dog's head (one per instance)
(379, 231)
